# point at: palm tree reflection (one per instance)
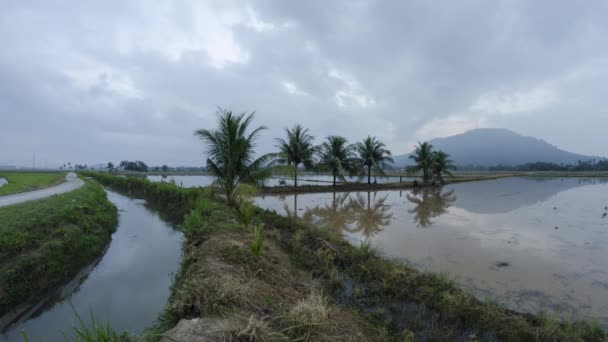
(429, 203)
(291, 213)
(336, 215)
(351, 214)
(369, 218)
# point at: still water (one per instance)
(3, 181)
(304, 179)
(128, 287)
(531, 245)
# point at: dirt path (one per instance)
(72, 182)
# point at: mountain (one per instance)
(493, 146)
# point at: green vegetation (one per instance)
(230, 154)
(423, 159)
(297, 149)
(241, 286)
(239, 295)
(412, 303)
(337, 156)
(373, 155)
(45, 243)
(138, 165)
(258, 240)
(433, 164)
(28, 181)
(582, 166)
(441, 164)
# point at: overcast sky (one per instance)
(98, 81)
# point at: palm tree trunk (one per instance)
(334, 172)
(369, 174)
(296, 176)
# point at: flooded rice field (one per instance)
(531, 245)
(305, 179)
(127, 287)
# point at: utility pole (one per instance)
(34, 161)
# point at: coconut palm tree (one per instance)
(373, 154)
(297, 149)
(338, 156)
(442, 164)
(230, 154)
(423, 158)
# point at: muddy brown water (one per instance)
(127, 287)
(531, 245)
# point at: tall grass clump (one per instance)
(97, 332)
(307, 318)
(243, 195)
(258, 240)
(196, 221)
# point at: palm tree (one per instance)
(423, 157)
(442, 164)
(297, 149)
(110, 166)
(337, 156)
(230, 154)
(373, 154)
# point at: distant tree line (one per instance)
(589, 165)
(133, 165)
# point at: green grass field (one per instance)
(28, 181)
(46, 242)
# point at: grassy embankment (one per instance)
(28, 181)
(348, 187)
(45, 243)
(235, 294)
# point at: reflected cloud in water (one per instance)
(473, 226)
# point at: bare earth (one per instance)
(72, 182)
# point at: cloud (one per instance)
(132, 80)
(515, 102)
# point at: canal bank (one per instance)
(127, 287)
(400, 301)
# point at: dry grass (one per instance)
(228, 294)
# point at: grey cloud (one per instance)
(132, 80)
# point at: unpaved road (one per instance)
(72, 182)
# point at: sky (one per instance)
(98, 81)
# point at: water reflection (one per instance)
(478, 225)
(128, 287)
(346, 212)
(429, 203)
(369, 217)
(334, 214)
